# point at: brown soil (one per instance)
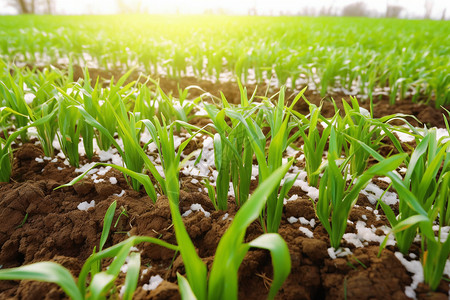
(56, 230)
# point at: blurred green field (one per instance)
(401, 58)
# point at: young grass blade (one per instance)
(114, 251)
(47, 272)
(186, 291)
(275, 217)
(132, 278)
(100, 284)
(230, 251)
(107, 221)
(142, 178)
(6, 152)
(195, 268)
(280, 259)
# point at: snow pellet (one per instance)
(153, 283)
(292, 220)
(306, 232)
(86, 205)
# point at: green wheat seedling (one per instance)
(359, 124)
(277, 117)
(163, 136)
(233, 154)
(435, 250)
(416, 65)
(443, 199)
(424, 163)
(233, 158)
(129, 130)
(6, 153)
(163, 139)
(145, 180)
(47, 131)
(145, 102)
(69, 129)
(42, 108)
(336, 197)
(40, 86)
(314, 142)
(13, 97)
(223, 281)
(173, 109)
(88, 96)
(231, 249)
(95, 106)
(422, 180)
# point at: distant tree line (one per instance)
(355, 9)
(33, 6)
(360, 9)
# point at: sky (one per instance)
(413, 8)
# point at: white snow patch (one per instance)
(85, 167)
(311, 192)
(292, 220)
(404, 137)
(364, 234)
(385, 179)
(198, 207)
(153, 283)
(113, 180)
(121, 194)
(293, 197)
(187, 213)
(442, 133)
(103, 170)
(291, 151)
(306, 232)
(305, 221)
(373, 192)
(340, 252)
(415, 268)
(29, 97)
(124, 267)
(86, 205)
(39, 160)
(402, 170)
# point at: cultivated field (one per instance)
(224, 157)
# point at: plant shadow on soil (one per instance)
(55, 230)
